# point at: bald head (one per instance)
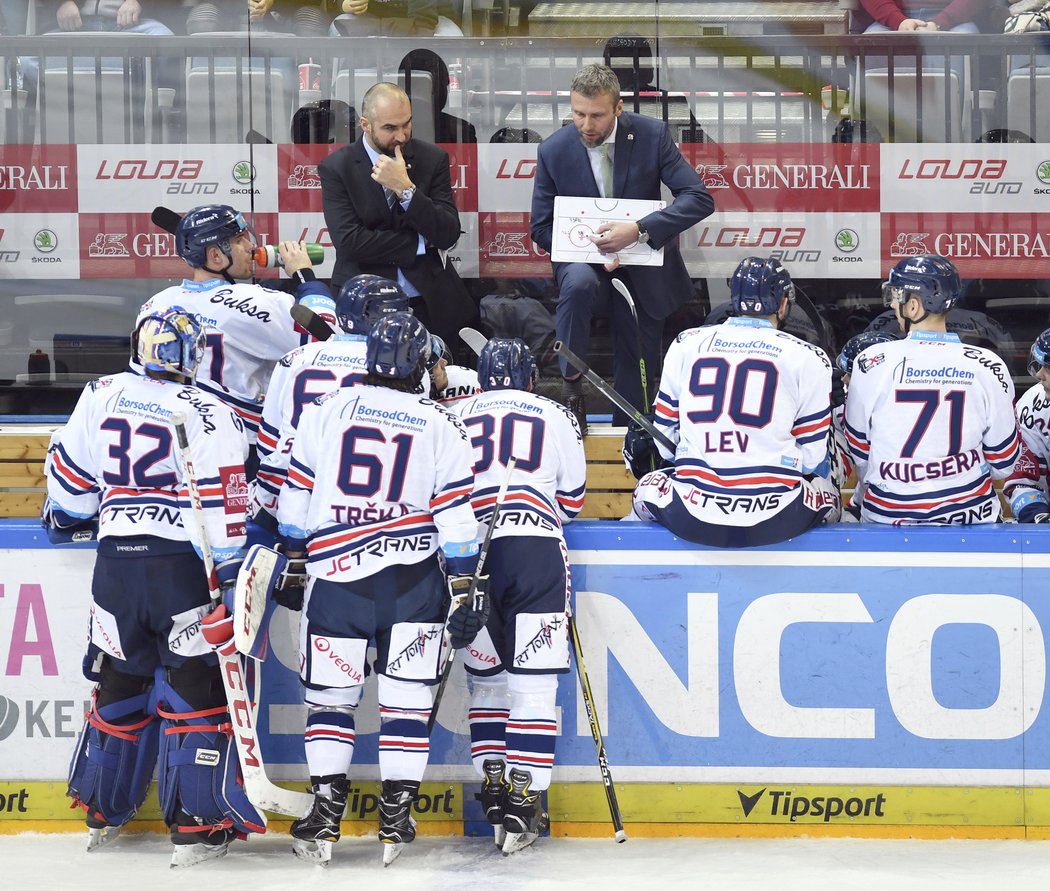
(386, 118)
(381, 93)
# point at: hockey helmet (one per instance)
(929, 277)
(204, 226)
(506, 363)
(438, 350)
(398, 346)
(857, 344)
(170, 341)
(363, 299)
(855, 130)
(758, 285)
(1039, 354)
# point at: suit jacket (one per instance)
(371, 237)
(644, 157)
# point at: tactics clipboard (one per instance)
(577, 218)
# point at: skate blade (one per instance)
(184, 856)
(391, 851)
(99, 838)
(316, 852)
(515, 841)
(499, 836)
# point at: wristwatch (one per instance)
(643, 234)
(407, 194)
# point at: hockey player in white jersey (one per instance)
(748, 406)
(379, 482)
(450, 385)
(515, 661)
(248, 326)
(1026, 486)
(312, 370)
(116, 463)
(929, 420)
(840, 384)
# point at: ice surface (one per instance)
(140, 861)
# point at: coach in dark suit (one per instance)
(389, 210)
(610, 153)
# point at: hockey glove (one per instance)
(467, 619)
(1034, 513)
(291, 588)
(217, 627)
(61, 528)
(838, 388)
(640, 454)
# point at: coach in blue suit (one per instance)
(643, 156)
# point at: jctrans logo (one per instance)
(40, 718)
(785, 803)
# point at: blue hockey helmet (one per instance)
(1039, 354)
(758, 285)
(363, 299)
(929, 277)
(857, 344)
(170, 341)
(204, 226)
(506, 363)
(398, 346)
(438, 350)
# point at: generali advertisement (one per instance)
(827, 211)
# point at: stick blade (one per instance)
(310, 322)
(165, 218)
(473, 339)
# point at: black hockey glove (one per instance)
(467, 619)
(291, 588)
(640, 454)
(838, 388)
(1033, 513)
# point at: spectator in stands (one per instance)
(610, 153)
(310, 19)
(389, 209)
(395, 18)
(921, 15)
(447, 127)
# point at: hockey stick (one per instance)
(446, 669)
(261, 791)
(615, 398)
(596, 732)
(307, 319)
(473, 339)
(621, 288)
(165, 218)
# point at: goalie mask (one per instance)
(170, 341)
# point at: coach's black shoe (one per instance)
(524, 819)
(576, 403)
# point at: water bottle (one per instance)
(268, 255)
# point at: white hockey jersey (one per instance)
(1027, 484)
(548, 483)
(300, 377)
(930, 423)
(377, 476)
(749, 408)
(118, 457)
(462, 384)
(248, 330)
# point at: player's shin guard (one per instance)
(533, 727)
(330, 731)
(115, 755)
(489, 711)
(199, 784)
(404, 746)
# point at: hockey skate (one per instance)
(198, 845)
(493, 797)
(100, 834)
(396, 825)
(312, 835)
(524, 820)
